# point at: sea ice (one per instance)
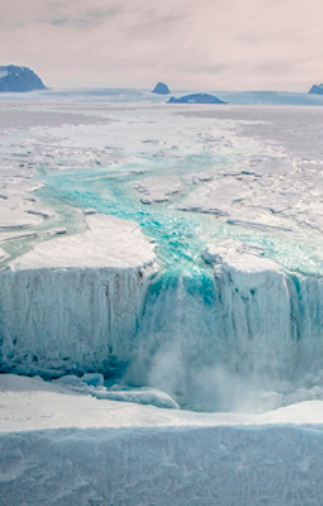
(216, 197)
(158, 189)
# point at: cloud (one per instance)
(62, 15)
(210, 44)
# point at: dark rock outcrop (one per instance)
(161, 89)
(196, 98)
(19, 79)
(317, 89)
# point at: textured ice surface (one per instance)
(81, 451)
(216, 197)
(158, 189)
(249, 466)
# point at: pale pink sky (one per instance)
(189, 44)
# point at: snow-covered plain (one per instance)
(173, 255)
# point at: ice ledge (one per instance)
(74, 303)
(238, 256)
(107, 242)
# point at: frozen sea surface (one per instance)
(129, 95)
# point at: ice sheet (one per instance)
(83, 451)
(158, 189)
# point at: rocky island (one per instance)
(19, 79)
(317, 89)
(161, 89)
(196, 98)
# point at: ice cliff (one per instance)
(95, 302)
(92, 302)
(215, 338)
(74, 303)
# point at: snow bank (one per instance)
(73, 303)
(64, 449)
(93, 384)
(193, 466)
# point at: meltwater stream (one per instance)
(236, 332)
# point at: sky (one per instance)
(188, 44)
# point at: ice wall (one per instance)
(222, 339)
(249, 466)
(74, 303)
(238, 333)
(81, 451)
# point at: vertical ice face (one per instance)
(255, 309)
(75, 302)
(214, 337)
(180, 319)
(306, 321)
(211, 336)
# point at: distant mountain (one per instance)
(19, 79)
(317, 89)
(196, 98)
(161, 89)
